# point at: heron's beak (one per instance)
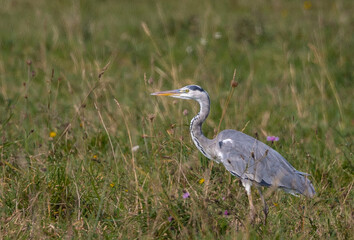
(168, 93)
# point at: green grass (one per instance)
(295, 73)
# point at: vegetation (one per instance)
(86, 152)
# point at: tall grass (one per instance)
(86, 152)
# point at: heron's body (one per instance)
(259, 163)
(242, 155)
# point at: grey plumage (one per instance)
(250, 159)
(242, 155)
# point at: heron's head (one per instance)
(188, 92)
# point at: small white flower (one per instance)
(203, 41)
(135, 148)
(259, 30)
(189, 49)
(217, 35)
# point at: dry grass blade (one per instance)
(232, 89)
(131, 147)
(105, 128)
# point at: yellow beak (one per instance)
(167, 93)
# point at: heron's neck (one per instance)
(202, 142)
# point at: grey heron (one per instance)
(245, 157)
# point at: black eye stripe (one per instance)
(195, 88)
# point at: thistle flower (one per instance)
(185, 195)
(272, 139)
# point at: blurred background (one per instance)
(87, 152)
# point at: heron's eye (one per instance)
(187, 90)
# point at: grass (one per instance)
(85, 70)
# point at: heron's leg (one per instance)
(247, 186)
(265, 206)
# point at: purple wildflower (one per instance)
(185, 195)
(272, 139)
(170, 218)
(226, 213)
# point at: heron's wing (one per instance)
(244, 166)
(248, 158)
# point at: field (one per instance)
(88, 153)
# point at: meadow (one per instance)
(86, 152)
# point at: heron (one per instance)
(245, 157)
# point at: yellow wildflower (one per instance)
(52, 134)
(170, 131)
(111, 185)
(275, 204)
(94, 157)
(284, 13)
(307, 5)
(201, 181)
